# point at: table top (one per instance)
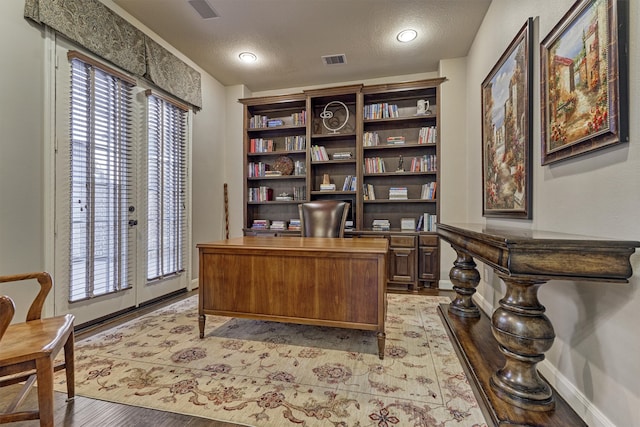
(543, 254)
(512, 236)
(364, 245)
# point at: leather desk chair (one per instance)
(28, 350)
(323, 218)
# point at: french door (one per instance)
(103, 236)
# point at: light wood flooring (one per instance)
(83, 411)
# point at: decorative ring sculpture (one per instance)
(329, 119)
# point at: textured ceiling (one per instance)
(291, 36)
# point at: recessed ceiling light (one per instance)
(247, 57)
(405, 36)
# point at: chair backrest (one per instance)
(323, 218)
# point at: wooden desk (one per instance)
(316, 281)
(524, 260)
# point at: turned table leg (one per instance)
(381, 342)
(524, 334)
(201, 320)
(465, 278)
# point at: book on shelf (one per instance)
(398, 193)
(342, 155)
(277, 224)
(429, 191)
(260, 194)
(261, 224)
(370, 139)
(349, 183)
(319, 153)
(369, 192)
(272, 173)
(273, 123)
(426, 163)
(419, 226)
(282, 197)
(299, 119)
(374, 165)
(294, 224)
(382, 110)
(429, 222)
(408, 224)
(428, 135)
(327, 187)
(295, 143)
(260, 145)
(395, 140)
(300, 193)
(381, 225)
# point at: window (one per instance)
(166, 186)
(100, 179)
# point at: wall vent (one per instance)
(204, 9)
(334, 59)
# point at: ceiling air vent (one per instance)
(334, 59)
(204, 9)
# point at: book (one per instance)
(398, 193)
(327, 187)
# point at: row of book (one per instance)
(428, 135)
(429, 191)
(260, 145)
(427, 222)
(276, 224)
(349, 183)
(295, 143)
(319, 153)
(382, 110)
(259, 121)
(261, 169)
(426, 163)
(370, 139)
(374, 165)
(260, 194)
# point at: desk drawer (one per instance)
(428, 240)
(402, 241)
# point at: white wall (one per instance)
(594, 359)
(21, 157)
(22, 234)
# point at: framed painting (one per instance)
(506, 131)
(584, 80)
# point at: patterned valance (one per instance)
(103, 32)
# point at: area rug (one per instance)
(259, 373)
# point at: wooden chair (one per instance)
(323, 218)
(27, 352)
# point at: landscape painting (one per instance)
(580, 82)
(506, 131)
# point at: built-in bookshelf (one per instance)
(275, 153)
(364, 144)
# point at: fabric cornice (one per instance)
(105, 33)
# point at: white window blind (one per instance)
(101, 180)
(166, 187)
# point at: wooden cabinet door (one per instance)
(428, 262)
(402, 265)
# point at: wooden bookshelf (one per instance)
(341, 122)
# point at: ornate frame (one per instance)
(506, 130)
(583, 79)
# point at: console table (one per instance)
(503, 367)
(307, 280)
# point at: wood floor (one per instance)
(83, 411)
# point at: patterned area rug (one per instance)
(261, 373)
